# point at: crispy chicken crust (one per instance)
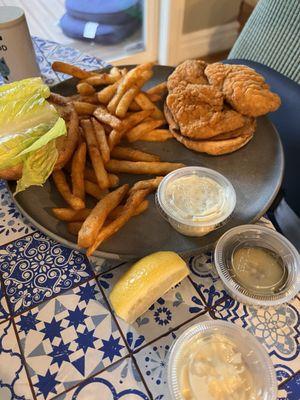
(244, 89)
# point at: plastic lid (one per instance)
(10, 15)
(221, 198)
(254, 355)
(258, 236)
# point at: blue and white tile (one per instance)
(4, 312)
(36, 267)
(56, 52)
(205, 278)
(276, 328)
(68, 338)
(178, 305)
(13, 379)
(290, 390)
(12, 224)
(48, 75)
(100, 265)
(120, 381)
(153, 360)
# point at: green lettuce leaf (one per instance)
(38, 166)
(28, 123)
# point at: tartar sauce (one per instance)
(196, 200)
(212, 368)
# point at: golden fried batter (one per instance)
(190, 71)
(244, 89)
(200, 113)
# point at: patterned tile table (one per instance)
(59, 338)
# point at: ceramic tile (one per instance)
(56, 52)
(119, 381)
(36, 267)
(13, 379)
(48, 75)
(276, 328)
(4, 312)
(205, 278)
(152, 360)
(12, 224)
(178, 305)
(100, 266)
(68, 338)
(290, 390)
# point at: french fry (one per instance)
(113, 180)
(102, 79)
(133, 76)
(137, 75)
(77, 171)
(83, 108)
(85, 89)
(93, 190)
(72, 70)
(146, 126)
(74, 227)
(97, 217)
(95, 155)
(134, 106)
(62, 186)
(90, 175)
(154, 97)
(58, 99)
(115, 71)
(104, 116)
(66, 145)
(70, 215)
(142, 167)
(139, 210)
(146, 104)
(147, 184)
(125, 101)
(128, 211)
(101, 140)
(157, 135)
(106, 94)
(128, 123)
(159, 89)
(127, 153)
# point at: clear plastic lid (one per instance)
(256, 236)
(181, 200)
(252, 352)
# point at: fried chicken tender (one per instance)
(200, 113)
(190, 71)
(244, 89)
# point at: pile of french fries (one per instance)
(112, 109)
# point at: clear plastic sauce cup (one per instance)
(195, 200)
(242, 370)
(256, 236)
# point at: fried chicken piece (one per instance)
(190, 71)
(200, 113)
(244, 89)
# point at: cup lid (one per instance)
(219, 208)
(270, 240)
(253, 354)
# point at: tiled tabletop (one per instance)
(59, 337)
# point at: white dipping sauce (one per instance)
(195, 197)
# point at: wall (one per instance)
(203, 14)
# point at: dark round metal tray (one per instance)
(255, 171)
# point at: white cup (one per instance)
(17, 56)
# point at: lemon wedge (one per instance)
(146, 281)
